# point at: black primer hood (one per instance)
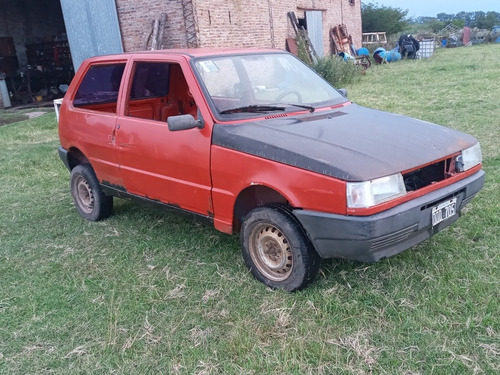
(351, 143)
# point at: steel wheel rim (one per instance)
(84, 195)
(271, 252)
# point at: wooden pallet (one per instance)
(341, 40)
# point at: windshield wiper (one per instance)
(252, 109)
(310, 108)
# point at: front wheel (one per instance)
(90, 201)
(276, 249)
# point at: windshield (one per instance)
(249, 85)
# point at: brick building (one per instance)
(236, 23)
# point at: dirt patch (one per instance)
(35, 114)
(9, 119)
(11, 116)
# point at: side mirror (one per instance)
(343, 92)
(184, 122)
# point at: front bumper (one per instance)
(370, 238)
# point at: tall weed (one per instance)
(332, 68)
(337, 71)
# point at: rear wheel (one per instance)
(90, 201)
(277, 250)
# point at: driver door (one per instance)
(156, 163)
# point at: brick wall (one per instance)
(136, 19)
(265, 24)
(236, 23)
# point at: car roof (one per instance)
(190, 52)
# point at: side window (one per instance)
(99, 88)
(159, 90)
(150, 80)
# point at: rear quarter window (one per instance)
(100, 85)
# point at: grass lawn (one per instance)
(147, 292)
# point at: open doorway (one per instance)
(35, 57)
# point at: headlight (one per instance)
(370, 193)
(469, 158)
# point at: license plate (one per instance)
(444, 211)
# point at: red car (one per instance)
(253, 141)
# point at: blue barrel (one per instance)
(363, 52)
(393, 55)
(381, 54)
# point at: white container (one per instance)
(426, 49)
(57, 105)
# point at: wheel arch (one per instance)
(256, 196)
(76, 157)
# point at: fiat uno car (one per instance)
(255, 142)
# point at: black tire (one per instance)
(277, 250)
(89, 200)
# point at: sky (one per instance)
(430, 8)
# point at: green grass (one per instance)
(147, 292)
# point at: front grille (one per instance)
(429, 174)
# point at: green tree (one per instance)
(436, 25)
(376, 18)
(445, 17)
(424, 20)
(458, 23)
(477, 19)
(488, 20)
